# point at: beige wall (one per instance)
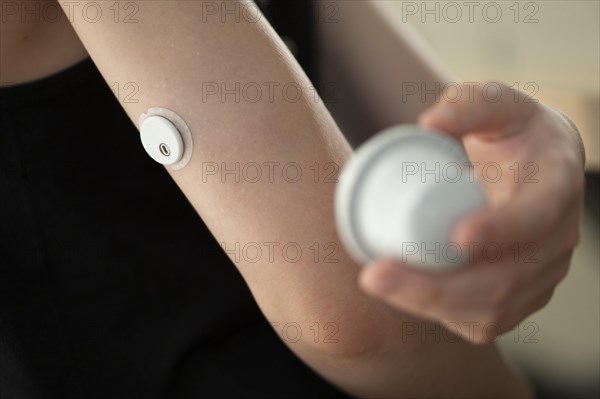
(555, 45)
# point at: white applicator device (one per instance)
(402, 195)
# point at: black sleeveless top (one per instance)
(111, 286)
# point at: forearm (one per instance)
(387, 62)
(170, 54)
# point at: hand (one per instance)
(523, 242)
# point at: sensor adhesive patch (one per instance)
(166, 137)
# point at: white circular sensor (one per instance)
(401, 196)
(161, 140)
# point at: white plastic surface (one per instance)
(402, 195)
(161, 140)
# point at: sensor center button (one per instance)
(161, 140)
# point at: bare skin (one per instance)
(31, 49)
(370, 359)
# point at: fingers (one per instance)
(492, 108)
(492, 299)
(465, 297)
(529, 214)
(524, 220)
(440, 294)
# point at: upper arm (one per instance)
(173, 56)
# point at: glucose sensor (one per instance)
(166, 137)
(401, 196)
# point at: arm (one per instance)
(388, 64)
(170, 53)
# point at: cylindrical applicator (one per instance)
(402, 195)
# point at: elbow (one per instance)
(349, 332)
